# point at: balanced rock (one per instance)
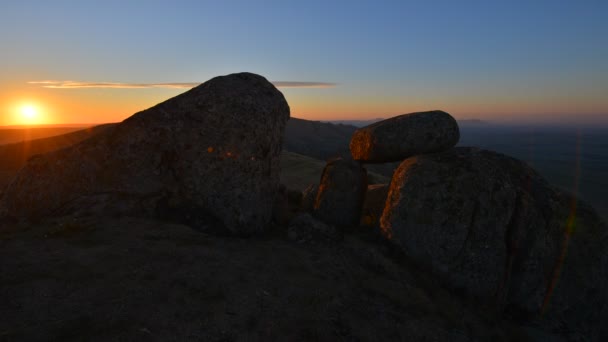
(403, 136)
(341, 193)
(491, 228)
(208, 155)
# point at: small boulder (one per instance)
(286, 206)
(373, 206)
(403, 136)
(309, 195)
(341, 193)
(210, 154)
(305, 228)
(492, 229)
(280, 210)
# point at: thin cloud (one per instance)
(183, 85)
(289, 84)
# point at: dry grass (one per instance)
(298, 171)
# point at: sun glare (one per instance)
(29, 112)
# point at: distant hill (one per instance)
(356, 123)
(14, 156)
(14, 134)
(320, 140)
(471, 122)
(363, 123)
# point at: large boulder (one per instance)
(492, 229)
(208, 155)
(341, 193)
(404, 136)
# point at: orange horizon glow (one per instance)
(31, 106)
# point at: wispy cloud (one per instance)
(290, 84)
(182, 85)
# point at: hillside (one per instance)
(10, 135)
(316, 139)
(13, 156)
(298, 171)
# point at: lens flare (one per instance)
(570, 228)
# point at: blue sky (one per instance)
(495, 60)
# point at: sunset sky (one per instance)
(507, 61)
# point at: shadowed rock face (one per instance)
(373, 206)
(309, 195)
(208, 155)
(341, 193)
(404, 136)
(491, 228)
(305, 228)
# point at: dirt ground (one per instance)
(126, 279)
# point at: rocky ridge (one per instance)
(482, 226)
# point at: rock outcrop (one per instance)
(305, 228)
(373, 206)
(309, 196)
(492, 229)
(210, 154)
(341, 193)
(403, 136)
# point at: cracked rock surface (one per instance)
(492, 229)
(209, 155)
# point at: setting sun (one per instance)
(29, 112)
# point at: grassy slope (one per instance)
(298, 171)
(15, 135)
(14, 156)
(317, 139)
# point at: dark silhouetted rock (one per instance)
(404, 136)
(210, 154)
(280, 211)
(294, 196)
(309, 196)
(373, 206)
(305, 228)
(341, 193)
(286, 206)
(491, 228)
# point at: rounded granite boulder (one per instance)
(403, 136)
(208, 157)
(492, 229)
